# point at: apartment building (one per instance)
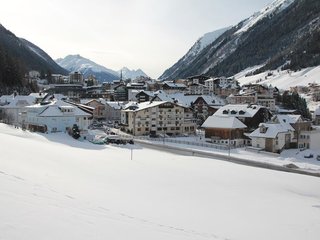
(157, 118)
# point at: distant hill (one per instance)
(285, 34)
(18, 56)
(131, 74)
(77, 63)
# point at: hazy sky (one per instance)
(147, 34)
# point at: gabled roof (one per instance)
(142, 106)
(116, 105)
(175, 85)
(21, 101)
(54, 109)
(224, 122)
(288, 118)
(272, 130)
(238, 110)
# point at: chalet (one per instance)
(120, 92)
(56, 116)
(144, 96)
(272, 137)
(298, 124)
(251, 115)
(225, 130)
(205, 106)
(156, 118)
(134, 88)
(11, 112)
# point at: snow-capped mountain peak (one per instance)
(273, 8)
(131, 74)
(204, 41)
(77, 63)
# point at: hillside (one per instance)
(77, 63)
(192, 54)
(284, 34)
(68, 189)
(29, 55)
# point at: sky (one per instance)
(147, 34)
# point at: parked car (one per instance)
(318, 157)
(308, 156)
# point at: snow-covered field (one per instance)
(54, 187)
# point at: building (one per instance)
(120, 93)
(76, 78)
(250, 114)
(158, 117)
(272, 137)
(254, 94)
(11, 112)
(205, 106)
(197, 89)
(56, 116)
(222, 87)
(225, 130)
(171, 87)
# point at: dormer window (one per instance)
(241, 112)
(225, 111)
(233, 112)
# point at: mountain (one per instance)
(77, 63)
(131, 74)
(17, 56)
(285, 34)
(193, 52)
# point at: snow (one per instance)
(273, 8)
(132, 74)
(284, 79)
(204, 41)
(81, 64)
(55, 187)
(37, 52)
(223, 122)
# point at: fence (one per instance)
(170, 140)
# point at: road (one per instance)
(233, 159)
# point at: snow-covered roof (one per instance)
(143, 105)
(288, 118)
(6, 99)
(212, 100)
(54, 109)
(317, 112)
(116, 105)
(38, 95)
(223, 122)
(21, 101)
(271, 130)
(175, 85)
(238, 110)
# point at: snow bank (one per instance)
(54, 187)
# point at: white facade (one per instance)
(11, 113)
(158, 118)
(57, 117)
